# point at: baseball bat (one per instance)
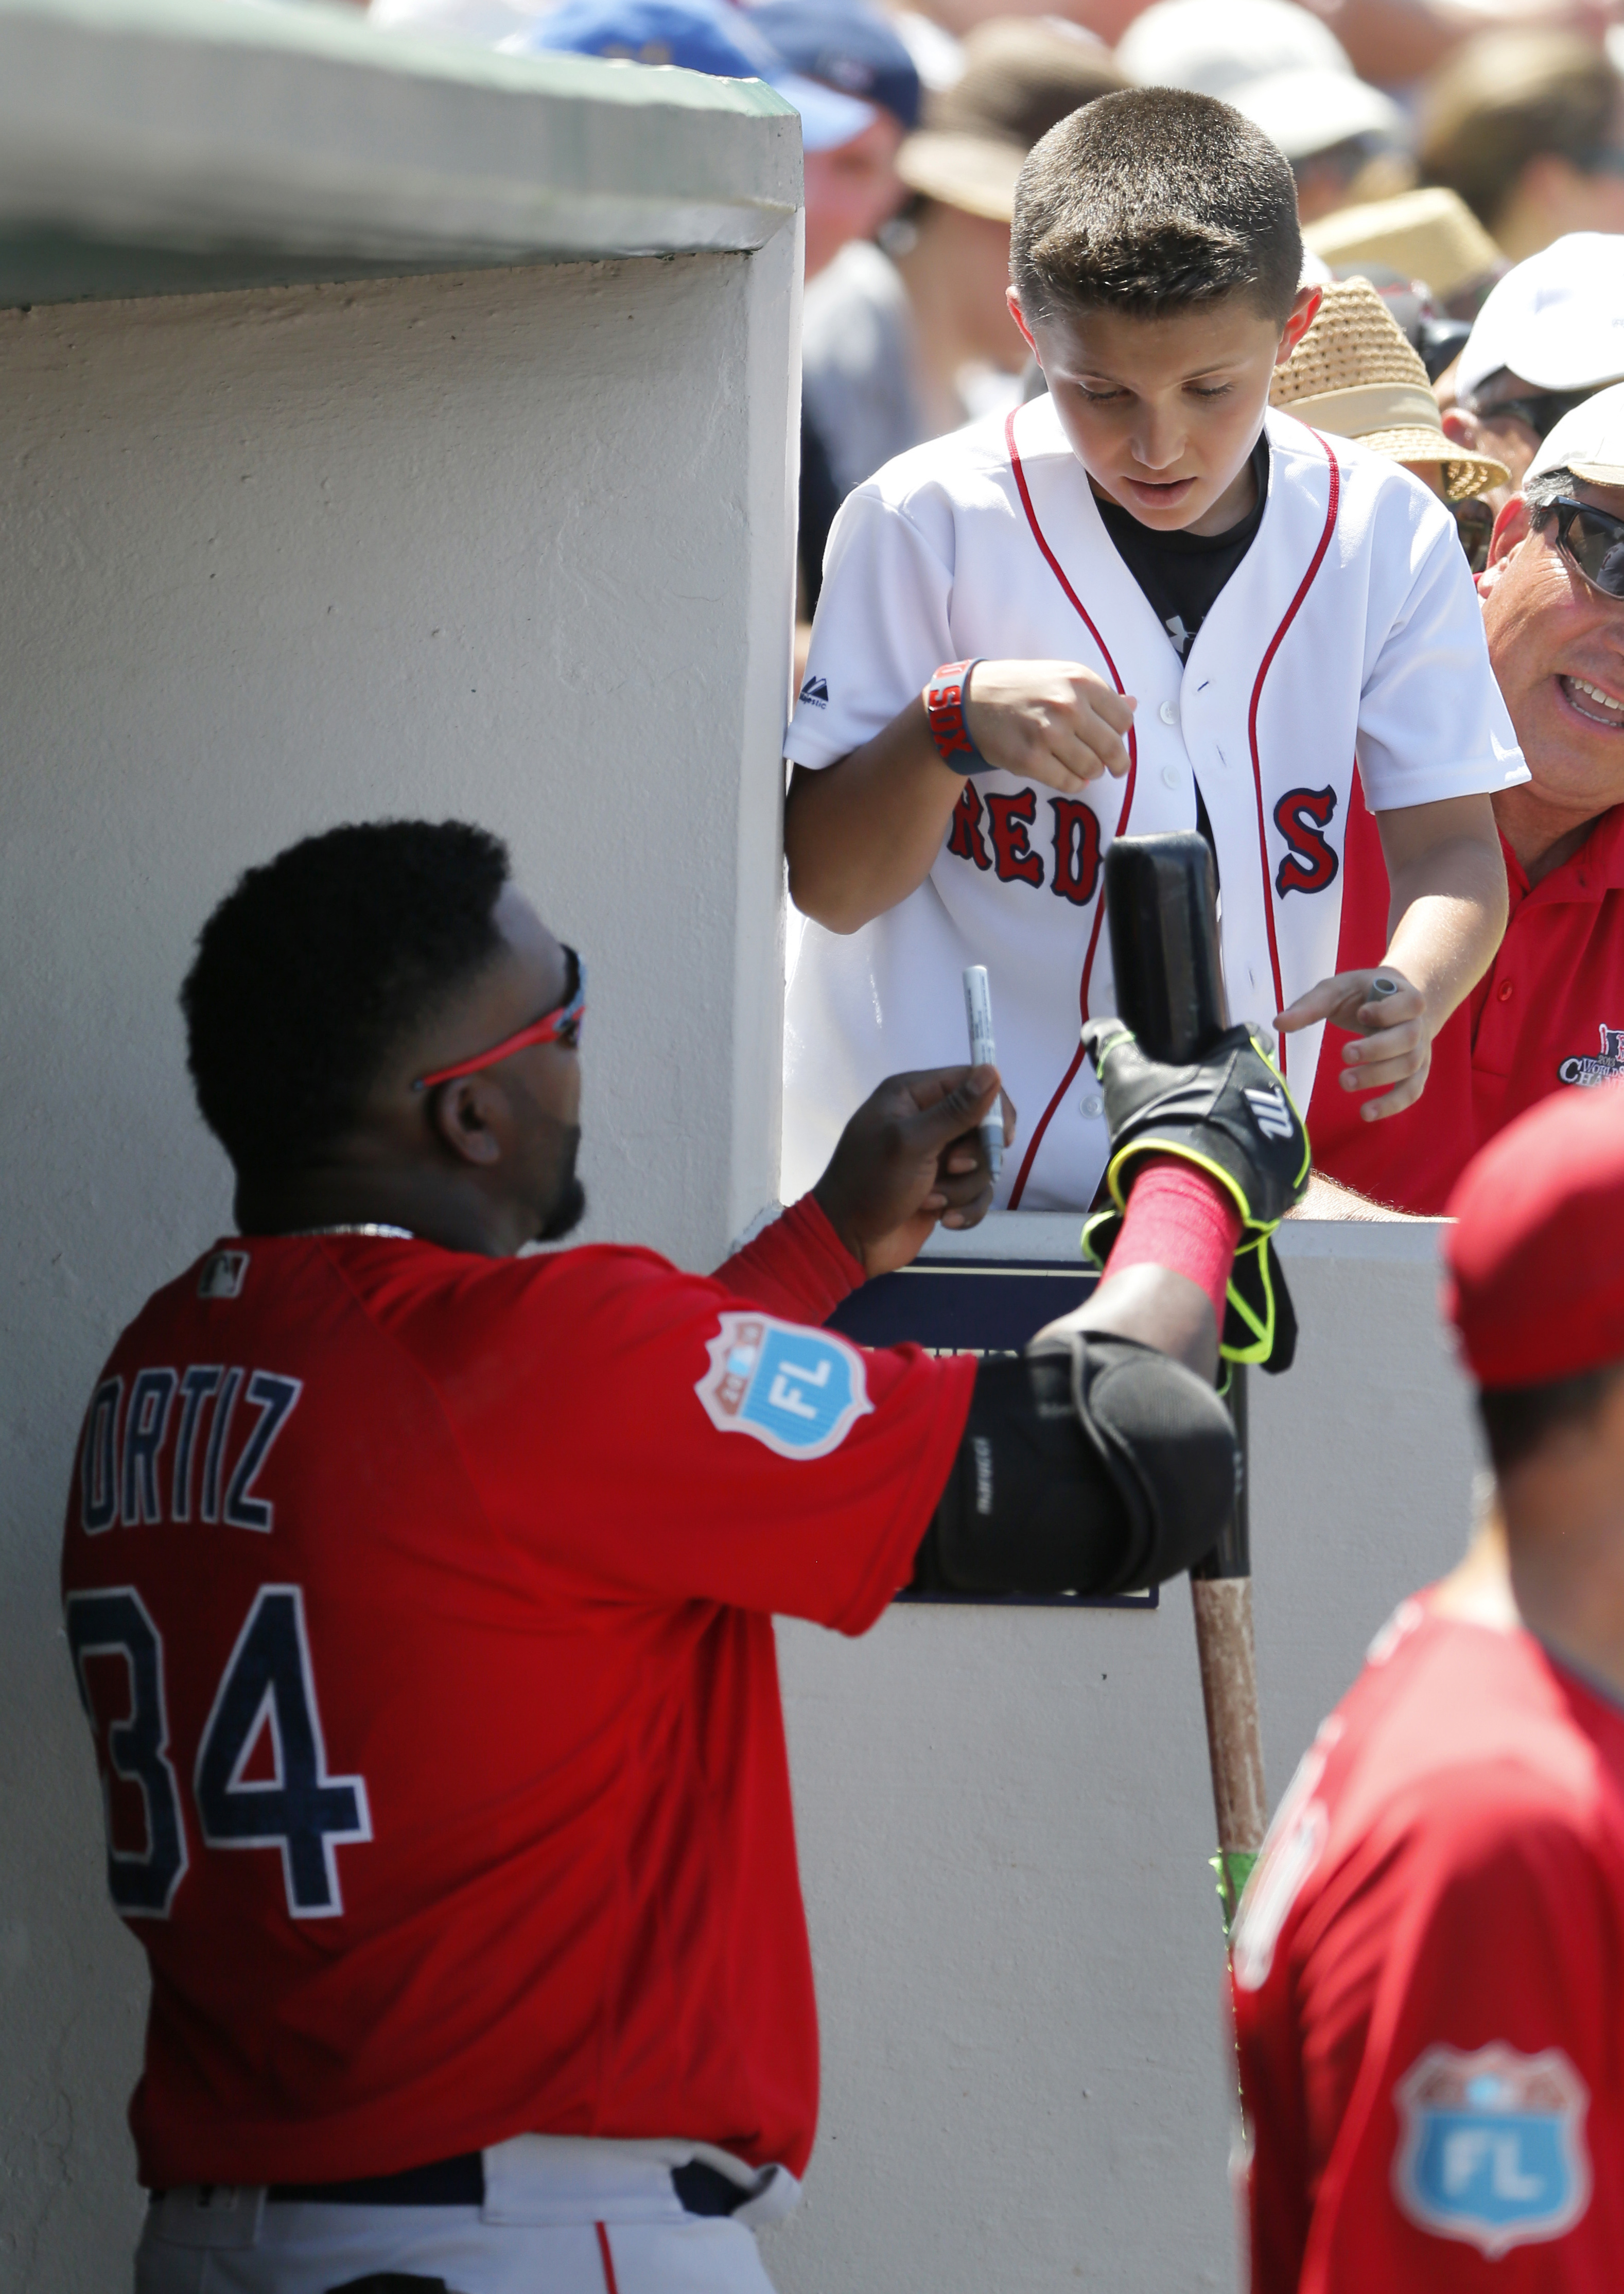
(1161, 904)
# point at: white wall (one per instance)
(515, 546)
(1005, 1817)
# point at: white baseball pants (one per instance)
(561, 2217)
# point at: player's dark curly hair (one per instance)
(1517, 1421)
(313, 967)
(1152, 200)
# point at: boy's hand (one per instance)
(1392, 1049)
(1052, 722)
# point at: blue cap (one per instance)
(847, 46)
(719, 41)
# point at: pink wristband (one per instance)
(1179, 1218)
(944, 700)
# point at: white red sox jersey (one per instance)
(1349, 631)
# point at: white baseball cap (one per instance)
(1310, 109)
(1215, 46)
(1556, 320)
(1589, 441)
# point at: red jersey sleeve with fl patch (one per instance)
(732, 1455)
(1429, 1986)
(419, 1606)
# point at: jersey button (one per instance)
(1169, 712)
(1093, 1106)
(1171, 775)
(1506, 991)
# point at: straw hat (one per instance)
(1430, 234)
(1355, 375)
(1023, 75)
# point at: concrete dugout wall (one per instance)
(513, 540)
(1005, 1816)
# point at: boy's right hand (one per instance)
(1053, 721)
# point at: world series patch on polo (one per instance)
(1493, 2149)
(797, 1390)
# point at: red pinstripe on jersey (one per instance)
(1304, 588)
(1019, 1188)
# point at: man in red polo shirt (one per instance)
(1549, 1012)
(1428, 1960)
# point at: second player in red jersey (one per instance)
(1429, 1961)
(1427, 1979)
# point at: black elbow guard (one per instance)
(1097, 1466)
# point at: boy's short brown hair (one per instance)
(1154, 199)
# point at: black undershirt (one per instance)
(1181, 574)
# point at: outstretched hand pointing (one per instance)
(909, 1157)
(1392, 1051)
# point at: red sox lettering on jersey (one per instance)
(1350, 630)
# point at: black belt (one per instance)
(460, 2181)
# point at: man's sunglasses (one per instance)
(1541, 409)
(1592, 540)
(561, 1025)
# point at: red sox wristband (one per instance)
(944, 700)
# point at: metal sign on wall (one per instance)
(975, 1306)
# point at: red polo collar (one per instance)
(1587, 876)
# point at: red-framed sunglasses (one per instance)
(561, 1025)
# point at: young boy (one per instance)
(1180, 611)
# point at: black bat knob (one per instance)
(1162, 902)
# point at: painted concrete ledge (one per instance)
(167, 146)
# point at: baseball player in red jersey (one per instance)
(419, 1593)
(1429, 1961)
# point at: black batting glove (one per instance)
(1228, 1113)
(1231, 1115)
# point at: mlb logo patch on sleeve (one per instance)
(1492, 2148)
(222, 1274)
(799, 1391)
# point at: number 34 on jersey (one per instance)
(260, 1779)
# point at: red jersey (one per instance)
(1548, 1011)
(421, 1604)
(1429, 1981)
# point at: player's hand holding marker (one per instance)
(1052, 722)
(1386, 1015)
(913, 1153)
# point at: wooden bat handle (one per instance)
(1229, 1690)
